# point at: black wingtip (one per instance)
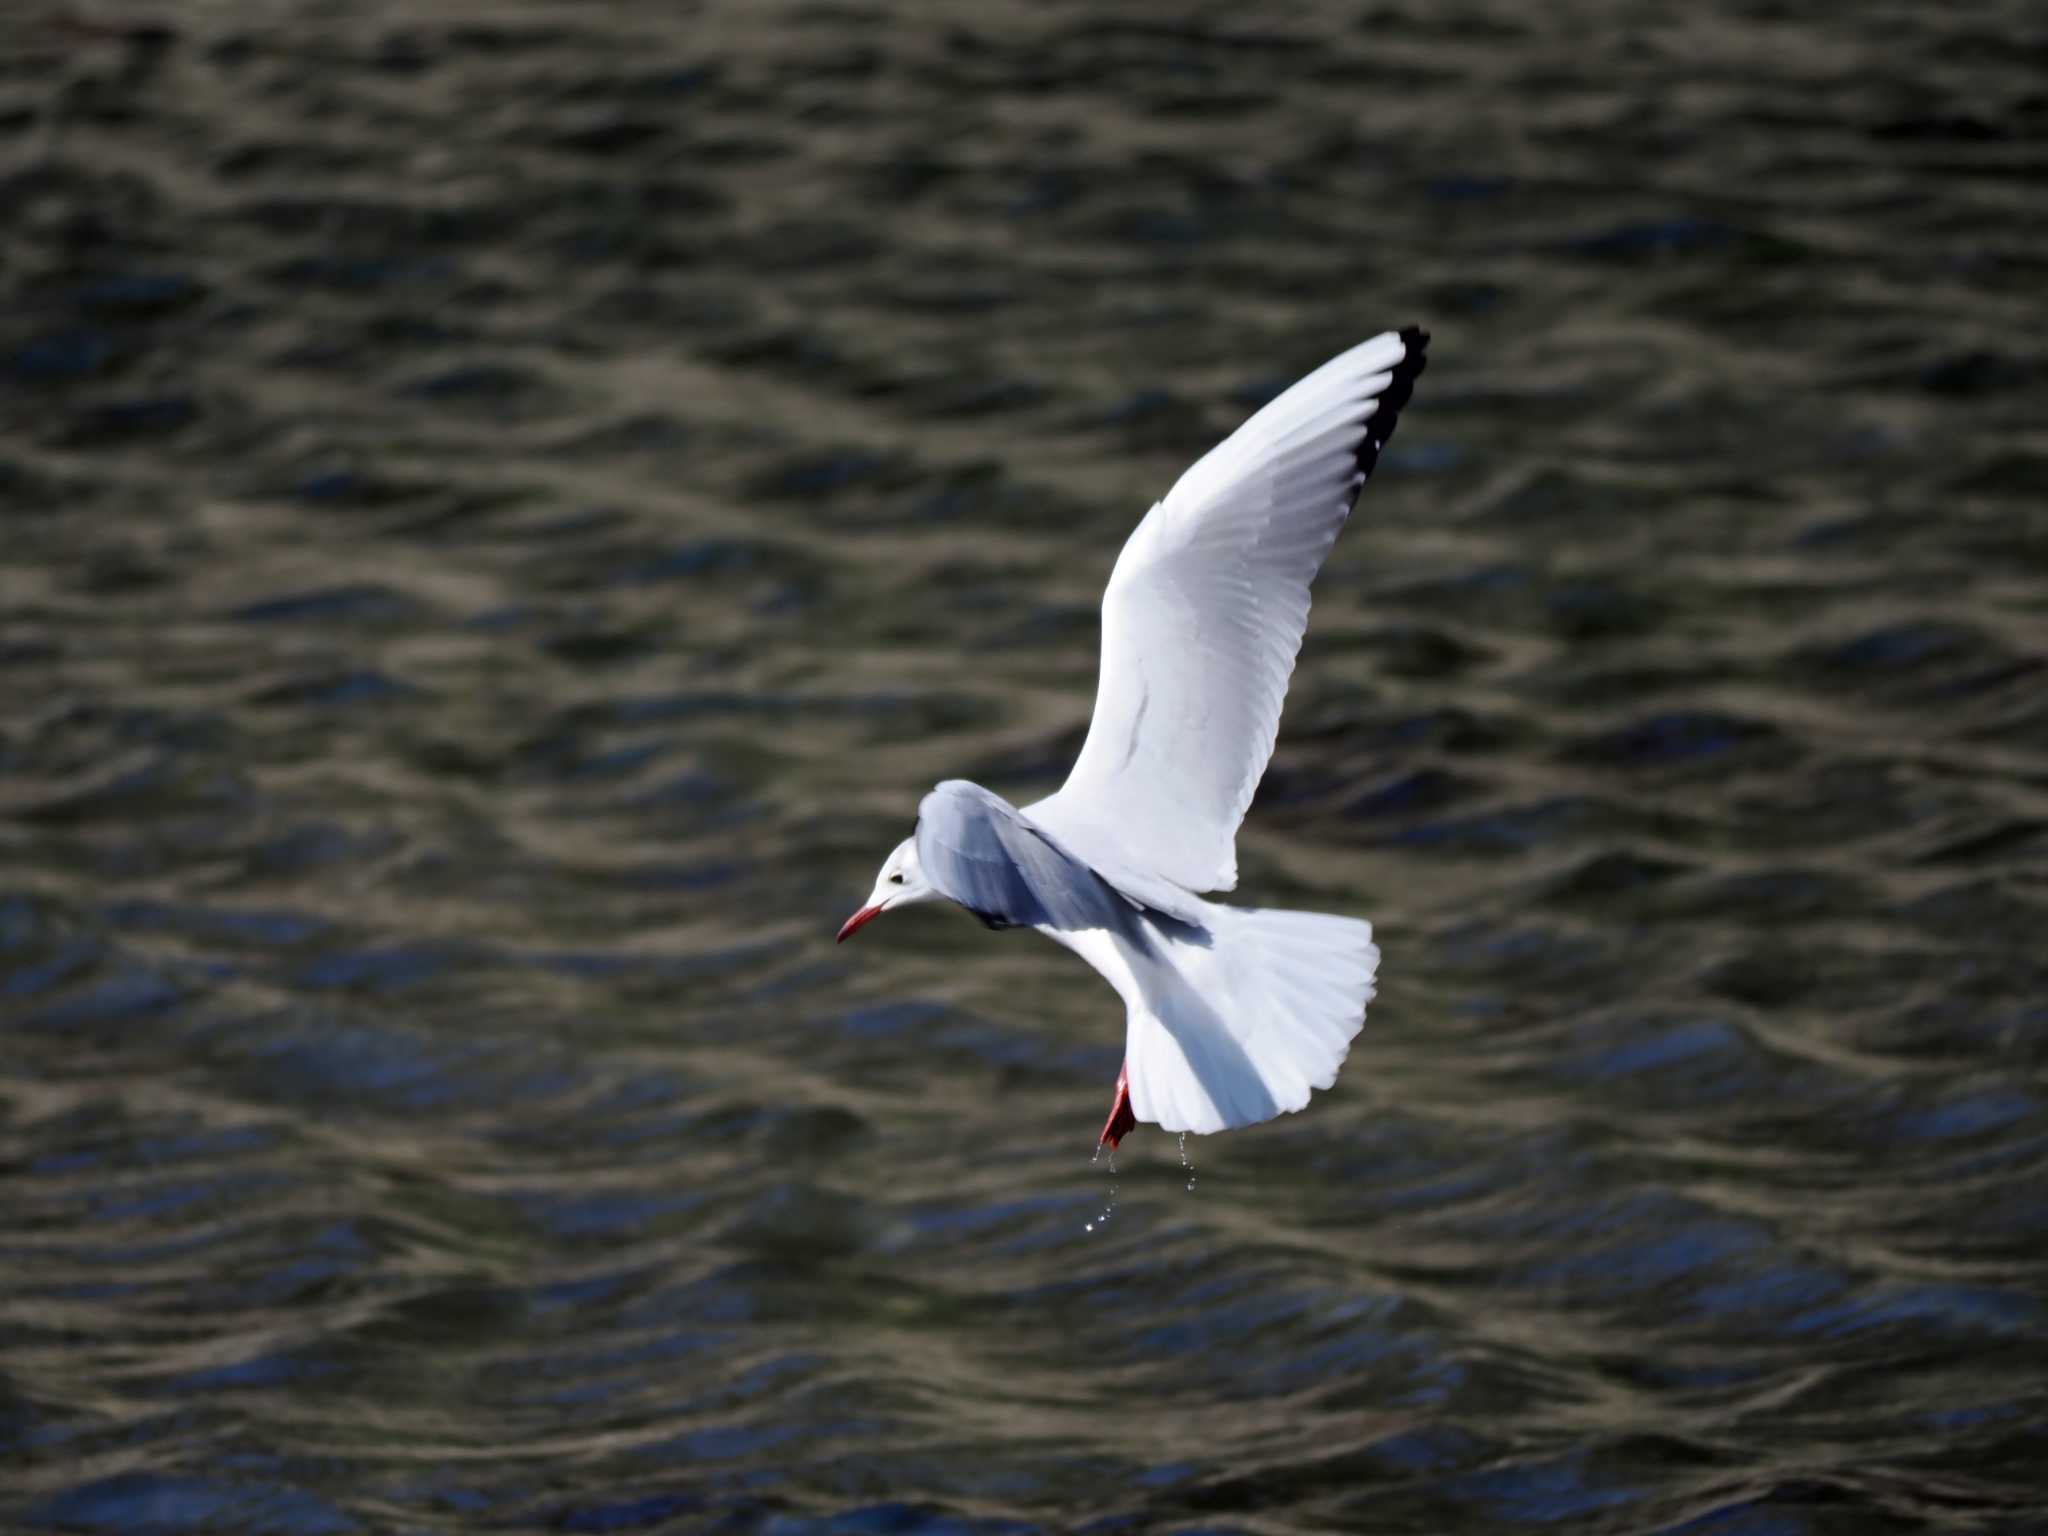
(1394, 398)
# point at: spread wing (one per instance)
(977, 849)
(1204, 615)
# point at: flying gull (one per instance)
(1235, 1013)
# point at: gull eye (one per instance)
(895, 879)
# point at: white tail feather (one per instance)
(1247, 1026)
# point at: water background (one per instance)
(507, 507)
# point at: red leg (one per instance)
(1121, 1121)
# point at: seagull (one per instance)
(1235, 1014)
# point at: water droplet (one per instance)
(1109, 1209)
(1185, 1163)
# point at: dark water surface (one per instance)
(506, 509)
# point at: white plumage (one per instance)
(1235, 1015)
(1203, 618)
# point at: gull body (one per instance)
(1233, 1014)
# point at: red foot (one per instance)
(1121, 1121)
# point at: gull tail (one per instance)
(1246, 1025)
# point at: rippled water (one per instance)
(506, 509)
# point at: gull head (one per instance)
(900, 884)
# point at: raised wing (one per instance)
(977, 849)
(1204, 615)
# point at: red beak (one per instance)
(854, 923)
